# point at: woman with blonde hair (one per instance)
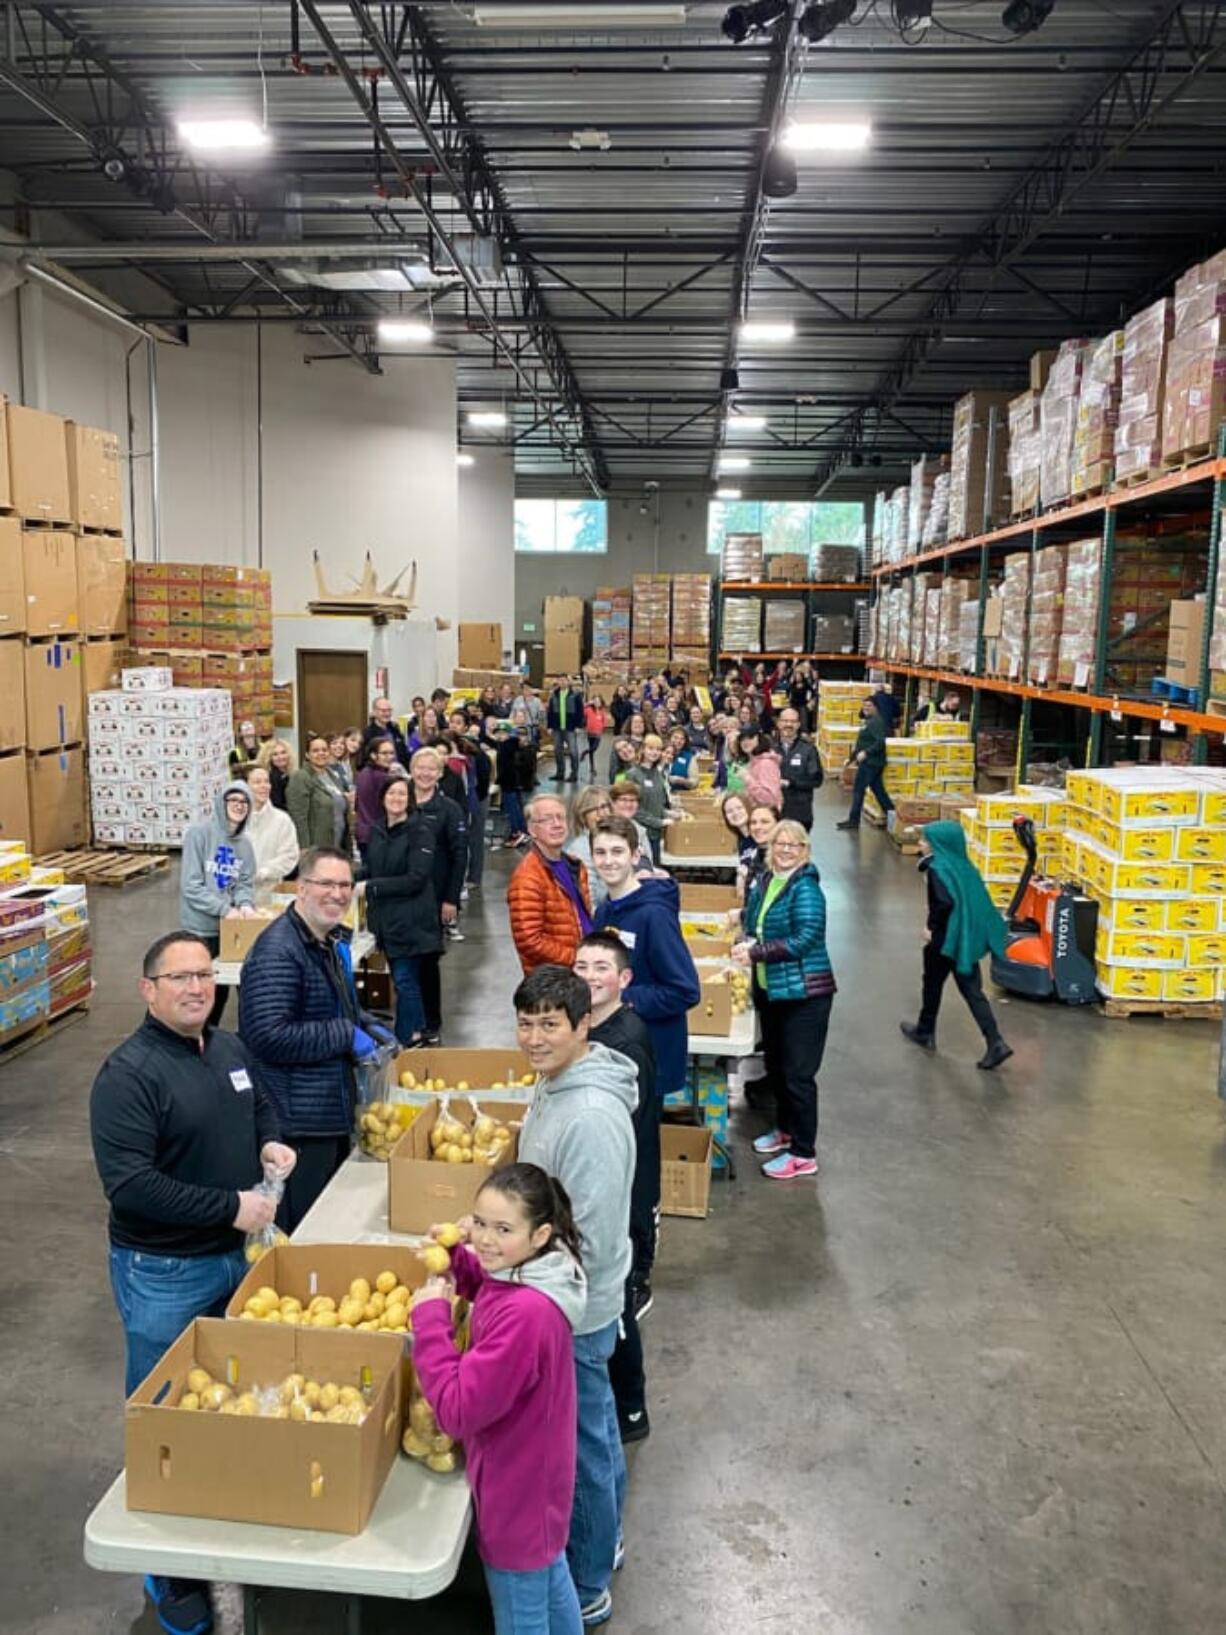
(279, 759)
(655, 806)
(785, 944)
(590, 805)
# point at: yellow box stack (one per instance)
(1149, 844)
(838, 720)
(994, 848)
(937, 764)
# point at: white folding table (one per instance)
(228, 973)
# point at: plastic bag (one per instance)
(382, 1113)
(259, 1242)
(422, 1439)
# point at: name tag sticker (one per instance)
(627, 938)
(795, 761)
(240, 1078)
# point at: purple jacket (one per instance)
(369, 810)
(510, 1398)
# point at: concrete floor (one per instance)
(970, 1384)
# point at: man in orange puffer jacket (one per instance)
(549, 897)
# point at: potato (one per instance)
(421, 1418)
(198, 1379)
(214, 1395)
(386, 1282)
(189, 1401)
(448, 1235)
(441, 1463)
(310, 1393)
(414, 1446)
(436, 1259)
(329, 1396)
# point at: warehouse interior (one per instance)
(347, 283)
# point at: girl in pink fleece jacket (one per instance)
(510, 1398)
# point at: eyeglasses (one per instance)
(342, 888)
(181, 979)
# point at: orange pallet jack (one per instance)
(1049, 952)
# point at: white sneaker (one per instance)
(454, 934)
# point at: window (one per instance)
(561, 525)
(786, 525)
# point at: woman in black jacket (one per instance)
(401, 907)
(448, 827)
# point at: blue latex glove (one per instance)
(363, 1045)
(382, 1035)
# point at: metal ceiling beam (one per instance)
(462, 164)
(129, 141)
(1180, 48)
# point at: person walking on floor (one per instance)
(785, 944)
(300, 1019)
(595, 724)
(511, 1397)
(401, 908)
(963, 925)
(603, 962)
(548, 899)
(564, 718)
(217, 874)
(182, 1131)
(579, 1130)
(868, 755)
(801, 769)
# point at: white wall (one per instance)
(486, 539)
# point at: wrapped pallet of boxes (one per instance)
(741, 627)
(1025, 453)
(1046, 612)
(953, 595)
(690, 641)
(834, 633)
(788, 567)
(1138, 432)
(651, 598)
(905, 599)
(1058, 422)
(1097, 416)
(1079, 618)
(1149, 844)
(1194, 403)
(876, 532)
(835, 564)
(611, 625)
(932, 625)
(936, 523)
(979, 456)
(1014, 591)
(741, 557)
(924, 475)
(900, 516)
(968, 637)
(783, 625)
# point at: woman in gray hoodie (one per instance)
(217, 874)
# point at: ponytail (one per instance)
(544, 1201)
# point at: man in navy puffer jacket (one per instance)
(300, 1019)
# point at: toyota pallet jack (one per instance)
(1049, 952)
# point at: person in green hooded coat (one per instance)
(963, 924)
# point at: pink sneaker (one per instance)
(772, 1141)
(788, 1168)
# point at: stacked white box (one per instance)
(157, 759)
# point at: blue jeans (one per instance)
(513, 811)
(600, 1468)
(159, 1295)
(535, 1603)
(410, 1012)
(868, 777)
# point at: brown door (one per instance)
(331, 692)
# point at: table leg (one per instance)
(353, 1615)
(251, 1610)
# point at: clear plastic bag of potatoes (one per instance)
(259, 1242)
(423, 1440)
(380, 1108)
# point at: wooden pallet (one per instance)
(32, 1034)
(106, 868)
(97, 533)
(1135, 479)
(1175, 1009)
(64, 527)
(1187, 457)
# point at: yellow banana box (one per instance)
(1194, 987)
(1147, 949)
(1129, 982)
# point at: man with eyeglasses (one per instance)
(182, 1130)
(549, 898)
(299, 1016)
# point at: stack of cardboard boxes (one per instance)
(838, 720)
(563, 636)
(953, 596)
(1046, 614)
(62, 615)
(211, 625)
(1194, 401)
(936, 766)
(741, 627)
(1138, 432)
(611, 632)
(1149, 844)
(1093, 463)
(1185, 642)
(45, 953)
(834, 564)
(994, 848)
(936, 523)
(158, 757)
(783, 625)
(1025, 452)
(979, 463)
(919, 504)
(690, 641)
(741, 557)
(650, 620)
(1058, 422)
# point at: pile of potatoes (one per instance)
(381, 1124)
(454, 1143)
(295, 1398)
(384, 1307)
(738, 981)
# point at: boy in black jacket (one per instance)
(604, 964)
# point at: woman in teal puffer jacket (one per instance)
(785, 943)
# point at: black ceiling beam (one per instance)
(131, 144)
(1184, 43)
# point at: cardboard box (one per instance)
(12, 578)
(480, 646)
(54, 713)
(49, 564)
(235, 1468)
(95, 488)
(307, 1269)
(102, 664)
(563, 653)
(422, 1191)
(6, 489)
(486, 1068)
(700, 837)
(38, 465)
(58, 819)
(685, 1170)
(1185, 642)
(702, 899)
(238, 938)
(14, 799)
(713, 1012)
(12, 694)
(789, 566)
(563, 616)
(102, 603)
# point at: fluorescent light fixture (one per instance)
(404, 329)
(224, 135)
(746, 422)
(727, 493)
(768, 329)
(487, 417)
(827, 136)
(734, 462)
(462, 459)
(590, 16)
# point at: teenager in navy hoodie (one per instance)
(645, 914)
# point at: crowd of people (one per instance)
(558, 1254)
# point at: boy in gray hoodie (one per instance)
(579, 1130)
(217, 874)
